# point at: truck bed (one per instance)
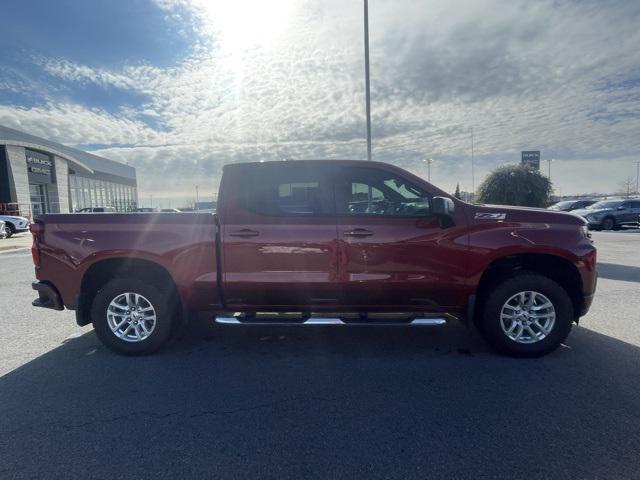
(183, 244)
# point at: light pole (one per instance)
(429, 162)
(366, 77)
(473, 175)
(549, 160)
(637, 178)
(197, 199)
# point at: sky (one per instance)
(178, 88)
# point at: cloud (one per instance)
(73, 124)
(286, 81)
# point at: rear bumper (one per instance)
(48, 296)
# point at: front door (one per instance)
(279, 243)
(393, 253)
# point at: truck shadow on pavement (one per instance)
(612, 271)
(296, 402)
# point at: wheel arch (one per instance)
(557, 268)
(100, 272)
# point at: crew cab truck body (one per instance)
(321, 242)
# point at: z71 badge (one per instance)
(491, 216)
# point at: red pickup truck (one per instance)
(321, 243)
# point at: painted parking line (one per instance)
(16, 252)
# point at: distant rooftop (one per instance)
(9, 136)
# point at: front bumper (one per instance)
(48, 296)
(587, 298)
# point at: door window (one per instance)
(290, 191)
(371, 191)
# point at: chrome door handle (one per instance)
(244, 233)
(358, 232)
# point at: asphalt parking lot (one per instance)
(326, 402)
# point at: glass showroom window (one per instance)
(79, 193)
(77, 198)
(114, 193)
(127, 198)
(117, 201)
(101, 195)
(86, 195)
(91, 186)
(123, 197)
(72, 193)
(105, 193)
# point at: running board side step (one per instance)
(428, 321)
(233, 320)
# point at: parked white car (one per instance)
(14, 224)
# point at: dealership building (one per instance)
(39, 176)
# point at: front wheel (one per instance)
(527, 315)
(131, 317)
(9, 230)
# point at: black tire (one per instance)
(9, 229)
(608, 223)
(164, 310)
(492, 331)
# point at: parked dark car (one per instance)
(333, 242)
(611, 214)
(569, 205)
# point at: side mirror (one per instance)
(443, 207)
(622, 207)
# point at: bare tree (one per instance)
(627, 187)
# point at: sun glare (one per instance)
(243, 24)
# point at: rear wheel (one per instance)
(608, 223)
(131, 317)
(527, 315)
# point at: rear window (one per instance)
(287, 191)
(605, 204)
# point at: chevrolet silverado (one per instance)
(321, 243)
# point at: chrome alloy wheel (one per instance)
(131, 317)
(527, 317)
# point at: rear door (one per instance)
(278, 237)
(631, 212)
(393, 252)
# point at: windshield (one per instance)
(561, 205)
(605, 204)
